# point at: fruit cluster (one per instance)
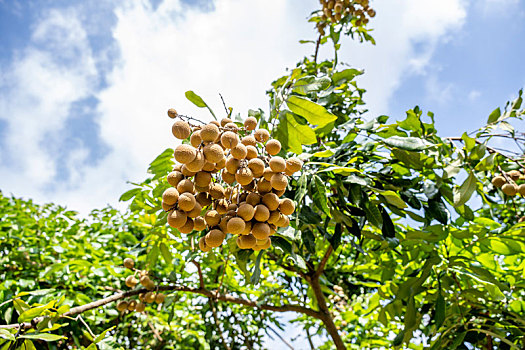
(334, 11)
(229, 180)
(144, 298)
(507, 183)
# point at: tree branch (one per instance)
(323, 262)
(217, 324)
(199, 271)
(489, 149)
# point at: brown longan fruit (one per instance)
(225, 121)
(214, 238)
(279, 193)
(261, 135)
(229, 139)
(288, 172)
(521, 189)
(250, 123)
(197, 164)
(279, 182)
(187, 227)
(271, 201)
(277, 164)
(220, 164)
(208, 166)
(129, 263)
(283, 221)
(145, 280)
(122, 305)
(239, 151)
(132, 305)
(510, 189)
(246, 211)
(273, 147)
(174, 178)
(232, 164)
(246, 241)
(212, 218)
(261, 213)
(213, 152)
(181, 129)
(172, 113)
(202, 189)
(221, 206)
(264, 186)
(514, 175)
(149, 297)
(223, 225)
(167, 207)
(185, 153)
(159, 298)
(232, 127)
(261, 230)
(199, 223)
(186, 186)
(274, 217)
(247, 228)
(186, 172)
(249, 187)
(253, 199)
(227, 177)
(244, 176)
(203, 246)
(294, 164)
(196, 211)
(235, 226)
(251, 152)
(177, 218)
(140, 307)
(267, 174)
(249, 141)
(203, 198)
(195, 139)
(256, 165)
(131, 281)
(287, 206)
(209, 132)
(264, 243)
(186, 201)
(217, 191)
(202, 178)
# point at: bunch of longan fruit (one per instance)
(144, 298)
(334, 11)
(508, 183)
(228, 180)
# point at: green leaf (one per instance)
(393, 198)
(166, 254)
(407, 143)
(439, 315)
(310, 84)
(126, 196)
(465, 191)
(410, 314)
(373, 214)
(4, 334)
(293, 135)
(320, 196)
(254, 279)
(153, 256)
(42, 336)
(437, 210)
(494, 116)
(315, 114)
(345, 76)
(198, 101)
(102, 335)
(387, 228)
(35, 312)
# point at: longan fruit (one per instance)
(208, 166)
(220, 164)
(283, 221)
(203, 246)
(277, 164)
(294, 164)
(249, 141)
(514, 175)
(261, 230)
(274, 217)
(140, 307)
(217, 191)
(235, 226)
(185, 153)
(273, 147)
(159, 298)
(521, 189)
(338, 8)
(225, 121)
(279, 193)
(288, 172)
(279, 182)
(201, 189)
(510, 189)
(239, 151)
(185, 186)
(197, 164)
(145, 280)
(202, 178)
(249, 187)
(131, 281)
(213, 152)
(196, 211)
(261, 135)
(256, 165)
(174, 178)
(195, 139)
(181, 129)
(261, 213)
(203, 198)
(264, 243)
(267, 174)
(229, 139)
(231, 126)
(227, 177)
(214, 238)
(172, 113)
(132, 305)
(186, 201)
(212, 218)
(244, 176)
(232, 206)
(221, 206)
(199, 223)
(271, 201)
(149, 297)
(177, 218)
(232, 164)
(186, 172)
(264, 186)
(209, 132)
(253, 199)
(187, 227)
(246, 241)
(246, 211)
(122, 305)
(250, 123)
(242, 197)
(247, 228)
(223, 225)
(286, 206)
(129, 263)
(251, 152)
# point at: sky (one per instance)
(85, 85)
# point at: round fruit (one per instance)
(186, 201)
(214, 238)
(149, 297)
(274, 217)
(186, 172)
(223, 225)
(521, 189)
(217, 191)
(181, 129)
(131, 281)
(145, 280)
(203, 246)
(232, 165)
(244, 176)
(279, 182)
(185, 186)
(172, 113)
(239, 151)
(202, 178)
(261, 135)
(273, 147)
(220, 164)
(225, 121)
(250, 123)
(287, 206)
(247, 228)
(195, 139)
(208, 166)
(249, 141)
(213, 153)
(231, 126)
(261, 230)
(199, 223)
(510, 189)
(251, 152)
(264, 186)
(514, 175)
(221, 206)
(140, 307)
(253, 199)
(228, 177)
(277, 164)
(294, 164)
(212, 218)
(122, 305)
(256, 165)
(177, 218)
(265, 243)
(132, 305)
(159, 298)
(185, 153)
(197, 164)
(283, 221)
(267, 174)
(229, 139)
(209, 132)
(261, 213)
(246, 211)
(187, 227)
(174, 178)
(271, 201)
(129, 263)
(196, 211)
(235, 226)
(203, 199)
(246, 241)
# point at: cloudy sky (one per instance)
(85, 85)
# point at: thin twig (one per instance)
(323, 262)
(317, 44)
(280, 337)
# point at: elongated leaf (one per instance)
(465, 191)
(315, 114)
(42, 336)
(257, 269)
(439, 315)
(198, 101)
(345, 76)
(494, 116)
(4, 334)
(126, 196)
(293, 135)
(387, 229)
(166, 254)
(373, 214)
(102, 335)
(407, 143)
